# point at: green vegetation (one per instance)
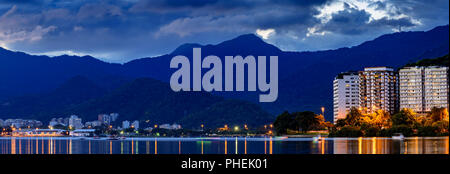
(440, 61)
(287, 123)
(228, 112)
(380, 123)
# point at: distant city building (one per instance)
(75, 122)
(170, 127)
(422, 88)
(107, 119)
(1, 123)
(135, 124)
(58, 121)
(125, 124)
(20, 123)
(114, 116)
(93, 123)
(378, 89)
(52, 123)
(345, 94)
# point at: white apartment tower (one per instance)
(345, 94)
(422, 88)
(411, 88)
(436, 87)
(378, 89)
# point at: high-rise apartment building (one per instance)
(378, 89)
(345, 94)
(422, 88)
(411, 88)
(436, 87)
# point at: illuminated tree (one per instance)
(379, 119)
(354, 117)
(438, 114)
(442, 126)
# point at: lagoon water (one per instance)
(230, 145)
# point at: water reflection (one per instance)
(414, 145)
(235, 145)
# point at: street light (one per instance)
(323, 110)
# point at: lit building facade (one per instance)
(135, 124)
(422, 88)
(345, 94)
(125, 124)
(75, 122)
(378, 89)
(411, 88)
(436, 87)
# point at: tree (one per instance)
(438, 114)
(354, 117)
(442, 126)
(341, 123)
(347, 131)
(322, 125)
(306, 120)
(60, 126)
(406, 130)
(283, 122)
(404, 117)
(379, 119)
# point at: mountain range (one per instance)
(138, 89)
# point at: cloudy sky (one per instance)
(122, 30)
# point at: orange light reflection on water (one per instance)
(156, 147)
(270, 146)
(245, 144)
(225, 146)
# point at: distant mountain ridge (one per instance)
(141, 99)
(43, 106)
(305, 78)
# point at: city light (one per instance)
(236, 128)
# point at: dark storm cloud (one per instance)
(121, 30)
(352, 21)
